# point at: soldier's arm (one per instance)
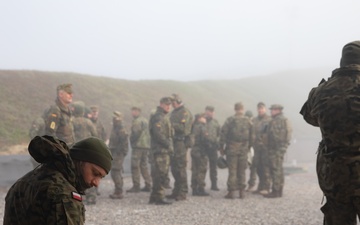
(306, 110)
(92, 128)
(52, 121)
(124, 141)
(188, 122)
(156, 131)
(223, 134)
(136, 130)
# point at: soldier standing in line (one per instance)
(199, 158)
(161, 133)
(279, 136)
(260, 144)
(58, 119)
(334, 107)
(235, 142)
(181, 121)
(99, 126)
(118, 145)
(212, 145)
(84, 128)
(140, 144)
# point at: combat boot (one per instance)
(116, 195)
(133, 190)
(172, 196)
(202, 192)
(214, 187)
(250, 188)
(281, 192)
(180, 197)
(147, 188)
(229, 195)
(195, 192)
(242, 194)
(273, 194)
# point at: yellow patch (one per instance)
(53, 115)
(52, 125)
(183, 121)
(158, 125)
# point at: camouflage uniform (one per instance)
(334, 107)
(140, 143)
(46, 195)
(58, 123)
(100, 129)
(118, 145)
(279, 135)
(84, 128)
(212, 146)
(181, 120)
(199, 158)
(236, 134)
(260, 160)
(161, 149)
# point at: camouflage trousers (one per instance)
(178, 168)
(139, 158)
(260, 168)
(212, 155)
(91, 195)
(237, 164)
(117, 170)
(159, 173)
(275, 163)
(199, 162)
(336, 212)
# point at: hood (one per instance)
(55, 153)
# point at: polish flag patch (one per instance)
(76, 196)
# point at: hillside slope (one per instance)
(25, 94)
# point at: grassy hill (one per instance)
(25, 94)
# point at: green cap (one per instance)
(238, 106)
(175, 98)
(65, 87)
(92, 150)
(276, 106)
(165, 100)
(210, 108)
(94, 108)
(350, 54)
(118, 115)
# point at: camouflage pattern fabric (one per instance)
(161, 134)
(100, 129)
(279, 135)
(83, 128)
(236, 135)
(139, 159)
(48, 194)
(58, 123)
(334, 106)
(181, 120)
(212, 146)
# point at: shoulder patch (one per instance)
(53, 115)
(52, 125)
(76, 196)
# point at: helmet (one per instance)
(221, 162)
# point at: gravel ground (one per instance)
(299, 205)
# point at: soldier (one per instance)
(140, 144)
(58, 118)
(198, 156)
(84, 128)
(95, 119)
(235, 142)
(181, 121)
(279, 135)
(260, 159)
(51, 193)
(212, 145)
(334, 107)
(161, 149)
(118, 145)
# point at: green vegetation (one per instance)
(24, 95)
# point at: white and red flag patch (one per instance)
(76, 196)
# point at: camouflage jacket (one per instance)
(334, 106)
(161, 132)
(58, 123)
(118, 143)
(279, 133)
(200, 135)
(260, 126)
(100, 129)
(83, 128)
(48, 194)
(236, 129)
(140, 136)
(181, 121)
(213, 131)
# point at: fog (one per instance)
(181, 40)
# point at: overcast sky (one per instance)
(181, 40)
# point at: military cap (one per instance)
(175, 98)
(276, 106)
(94, 108)
(199, 115)
(117, 115)
(165, 100)
(260, 104)
(65, 87)
(210, 108)
(350, 54)
(238, 106)
(136, 108)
